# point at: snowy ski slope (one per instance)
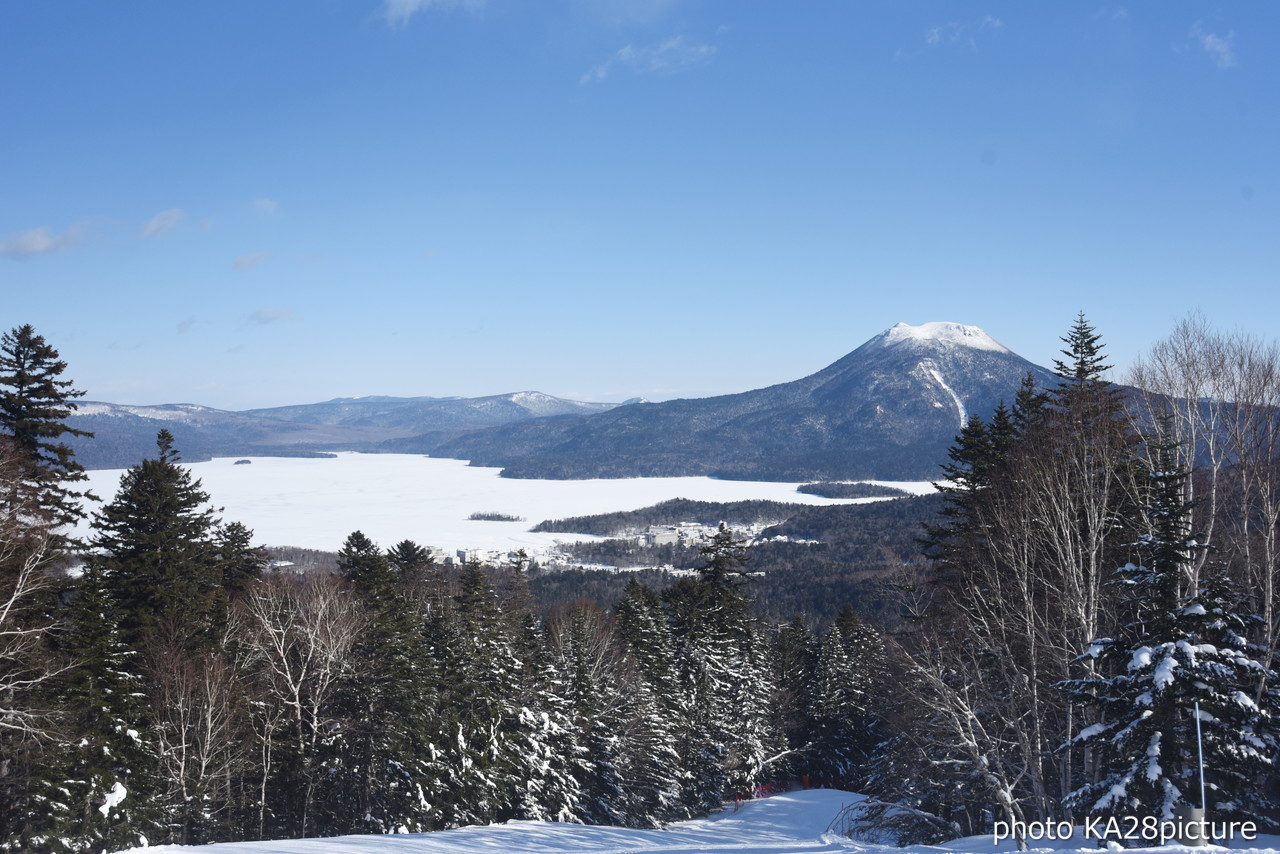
(794, 823)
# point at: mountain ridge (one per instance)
(888, 409)
(125, 433)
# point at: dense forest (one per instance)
(831, 556)
(1095, 585)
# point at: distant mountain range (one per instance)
(888, 410)
(124, 435)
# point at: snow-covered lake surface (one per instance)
(316, 503)
(794, 823)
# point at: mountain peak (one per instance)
(943, 332)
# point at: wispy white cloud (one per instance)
(1221, 49)
(189, 323)
(162, 222)
(266, 206)
(626, 13)
(1113, 13)
(398, 12)
(672, 55)
(248, 262)
(962, 33)
(38, 241)
(265, 316)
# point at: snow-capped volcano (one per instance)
(889, 410)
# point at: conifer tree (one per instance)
(545, 761)
(382, 759)
(794, 657)
(34, 406)
(153, 545)
(411, 562)
(1029, 405)
(1033, 524)
(1173, 652)
(483, 674)
(240, 562)
(96, 792)
(29, 618)
(865, 648)
(1083, 396)
(973, 463)
(833, 713)
(725, 674)
(652, 759)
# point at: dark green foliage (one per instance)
(35, 404)
(154, 547)
(844, 730)
(99, 776)
(410, 561)
(835, 554)
(673, 512)
(1084, 362)
(363, 565)
(841, 489)
(795, 652)
(240, 562)
(382, 758)
(975, 458)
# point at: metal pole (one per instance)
(1200, 751)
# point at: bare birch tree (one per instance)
(299, 636)
(199, 733)
(1187, 379)
(1223, 394)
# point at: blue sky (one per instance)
(250, 204)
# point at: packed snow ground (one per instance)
(795, 823)
(316, 503)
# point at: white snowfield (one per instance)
(316, 503)
(794, 823)
(956, 334)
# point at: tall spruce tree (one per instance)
(1083, 395)
(240, 562)
(35, 403)
(484, 674)
(795, 652)
(98, 781)
(382, 757)
(654, 760)
(154, 546)
(725, 673)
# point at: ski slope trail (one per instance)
(794, 823)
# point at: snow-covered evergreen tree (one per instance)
(650, 762)
(382, 762)
(724, 669)
(478, 696)
(97, 785)
(1177, 648)
(543, 753)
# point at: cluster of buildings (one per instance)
(560, 557)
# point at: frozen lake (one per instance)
(316, 503)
